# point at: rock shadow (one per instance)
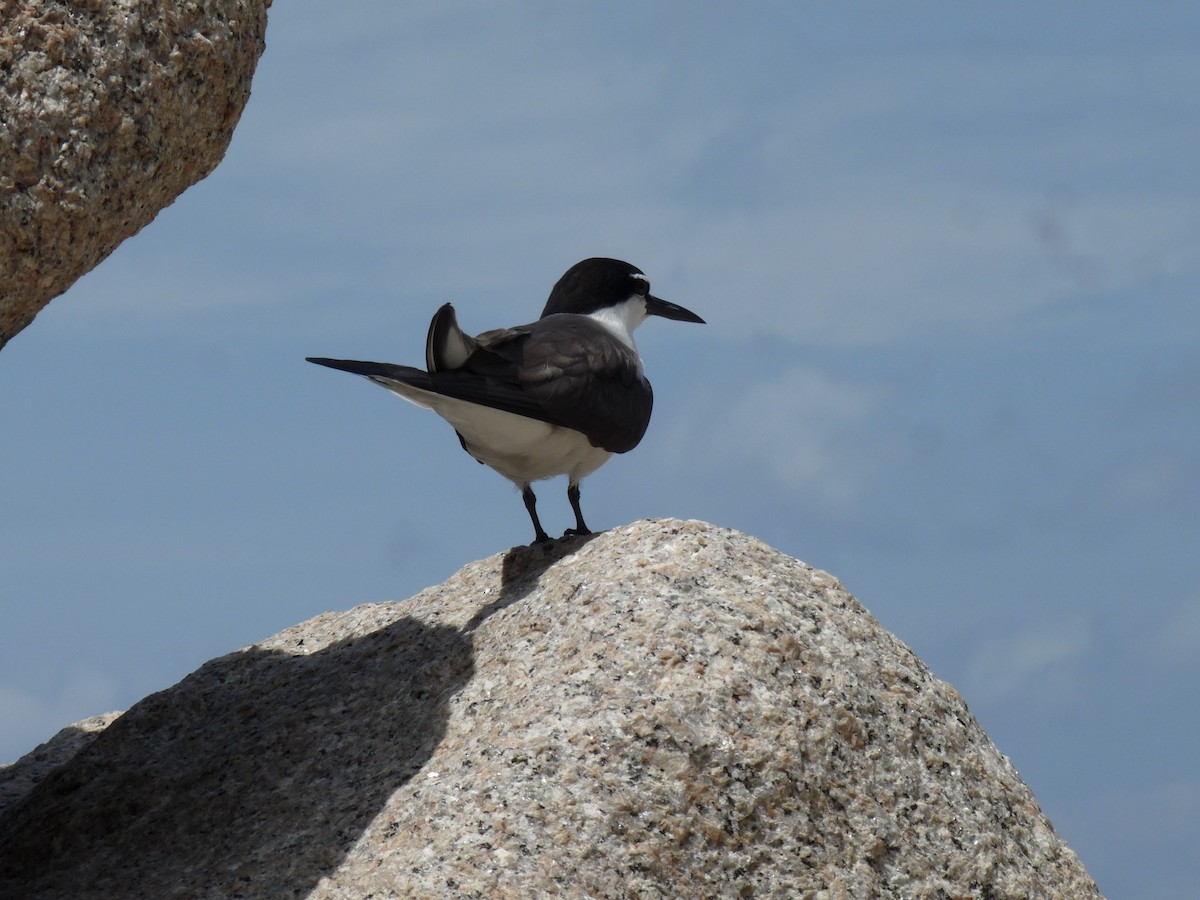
(521, 569)
(252, 777)
(19, 778)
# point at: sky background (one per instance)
(950, 261)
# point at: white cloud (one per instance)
(28, 719)
(802, 431)
(1041, 664)
(1176, 642)
(898, 261)
(1148, 483)
(849, 204)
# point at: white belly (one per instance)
(519, 448)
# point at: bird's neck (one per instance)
(622, 319)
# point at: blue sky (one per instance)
(948, 257)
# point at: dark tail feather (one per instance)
(446, 346)
(458, 384)
(373, 369)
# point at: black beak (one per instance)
(656, 306)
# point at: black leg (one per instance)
(540, 536)
(580, 525)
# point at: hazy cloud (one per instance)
(801, 431)
(1041, 664)
(1175, 643)
(27, 719)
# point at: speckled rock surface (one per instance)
(109, 109)
(19, 778)
(668, 709)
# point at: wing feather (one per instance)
(539, 371)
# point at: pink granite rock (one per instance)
(109, 109)
(668, 709)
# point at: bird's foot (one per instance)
(540, 538)
(576, 532)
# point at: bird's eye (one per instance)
(641, 285)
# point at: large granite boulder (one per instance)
(109, 109)
(669, 709)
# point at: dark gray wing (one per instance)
(563, 369)
(458, 383)
(580, 375)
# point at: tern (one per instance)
(558, 396)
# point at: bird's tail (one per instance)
(447, 346)
(376, 371)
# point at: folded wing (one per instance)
(563, 369)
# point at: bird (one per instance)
(558, 396)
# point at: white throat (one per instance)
(622, 319)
